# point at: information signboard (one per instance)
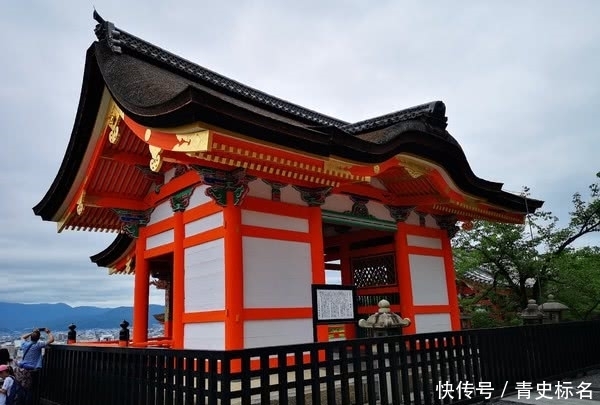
(333, 304)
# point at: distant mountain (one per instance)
(57, 317)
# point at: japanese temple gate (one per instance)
(235, 202)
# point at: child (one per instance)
(7, 384)
(5, 357)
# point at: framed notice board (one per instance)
(332, 304)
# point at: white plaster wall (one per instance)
(424, 241)
(159, 239)
(379, 211)
(337, 203)
(430, 222)
(199, 196)
(413, 219)
(277, 274)
(204, 336)
(205, 277)
(377, 184)
(204, 224)
(277, 332)
(259, 189)
(273, 221)
(162, 211)
(425, 323)
(342, 203)
(169, 175)
(428, 280)
(290, 195)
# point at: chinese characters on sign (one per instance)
(525, 390)
(335, 304)
(332, 304)
(464, 390)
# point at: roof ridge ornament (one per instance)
(105, 31)
(433, 113)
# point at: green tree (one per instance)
(577, 281)
(526, 258)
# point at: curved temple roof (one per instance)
(158, 89)
(114, 251)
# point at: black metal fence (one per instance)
(436, 368)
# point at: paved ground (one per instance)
(582, 390)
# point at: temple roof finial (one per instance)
(98, 17)
(105, 31)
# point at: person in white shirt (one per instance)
(7, 384)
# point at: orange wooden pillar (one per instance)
(234, 275)
(403, 276)
(451, 283)
(317, 254)
(141, 290)
(178, 281)
(346, 274)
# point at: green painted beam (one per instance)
(338, 218)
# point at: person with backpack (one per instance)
(32, 348)
(27, 372)
(8, 389)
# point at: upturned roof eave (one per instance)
(89, 102)
(115, 251)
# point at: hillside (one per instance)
(57, 317)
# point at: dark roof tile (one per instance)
(114, 251)
(121, 41)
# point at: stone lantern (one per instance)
(465, 319)
(384, 322)
(553, 309)
(532, 314)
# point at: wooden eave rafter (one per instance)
(94, 219)
(109, 200)
(64, 221)
(291, 167)
(125, 265)
(465, 212)
(234, 150)
(124, 157)
(105, 186)
(467, 207)
(418, 183)
(389, 198)
(189, 178)
(438, 196)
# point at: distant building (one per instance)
(233, 200)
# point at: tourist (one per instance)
(7, 383)
(5, 360)
(32, 348)
(28, 370)
(5, 357)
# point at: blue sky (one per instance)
(520, 81)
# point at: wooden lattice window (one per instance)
(373, 299)
(374, 271)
